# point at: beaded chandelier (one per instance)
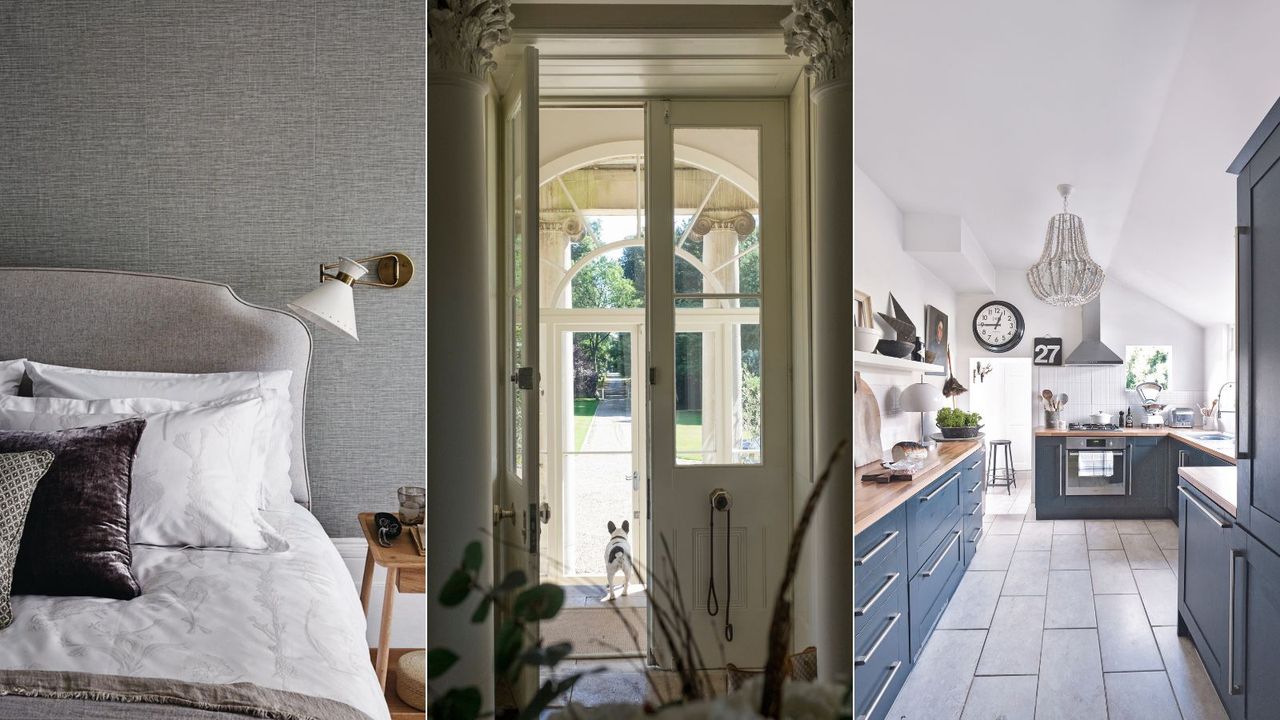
(1065, 275)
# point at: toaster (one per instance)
(1182, 418)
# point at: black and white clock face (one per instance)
(998, 326)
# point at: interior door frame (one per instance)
(596, 320)
(671, 483)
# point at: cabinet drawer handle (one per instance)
(1209, 513)
(975, 509)
(938, 562)
(888, 583)
(879, 546)
(893, 671)
(1232, 687)
(862, 659)
(938, 489)
(977, 533)
(975, 486)
(976, 464)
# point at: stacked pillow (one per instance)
(19, 473)
(171, 459)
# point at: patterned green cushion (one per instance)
(19, 473)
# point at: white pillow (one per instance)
(196, 477)
(274, 436)
(11, 376)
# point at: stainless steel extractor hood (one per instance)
(1091, 351)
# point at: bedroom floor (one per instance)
(1063, 619)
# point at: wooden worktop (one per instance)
(1217, 483)
(1223, 450)
(872, 501)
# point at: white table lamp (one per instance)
(922, 398)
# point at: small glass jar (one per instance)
(413, 504)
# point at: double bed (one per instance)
(214, 633)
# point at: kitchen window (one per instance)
(1148, 363)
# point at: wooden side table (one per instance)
(406, 572)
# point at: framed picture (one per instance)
(862, 314)
(935, 334)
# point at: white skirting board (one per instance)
(408, 617)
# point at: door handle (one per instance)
(1208, 513)
(887, 537)
(500, 513)
(862, 659)
(634, 477)
(1232, 687)
(936, 563)
(523, 377)
(890, 579)
(544, 513)
(937, 490)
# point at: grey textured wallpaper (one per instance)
(245, 142)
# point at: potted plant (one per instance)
(955, 423)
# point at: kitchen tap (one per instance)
(1221, 426)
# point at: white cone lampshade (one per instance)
(331, 305)
(922, 397)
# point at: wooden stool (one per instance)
(1007, 473)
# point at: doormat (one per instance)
(598, 632)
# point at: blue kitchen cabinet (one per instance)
(1257, 333)
(1148, 478)
(1254, 668)
(1209, 543)
(906, 569)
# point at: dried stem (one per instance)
(780, 626)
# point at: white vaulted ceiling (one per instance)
(980, 108)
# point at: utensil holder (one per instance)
(1051, 418)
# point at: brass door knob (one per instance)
(500, 513)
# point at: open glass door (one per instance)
(720, 388)
(519, 515)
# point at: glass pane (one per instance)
(716, 210)
(719, 417)
(515, 294)
(718, 247)
(592, 227)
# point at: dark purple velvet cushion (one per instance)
(76, 538)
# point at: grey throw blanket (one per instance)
(39, 694)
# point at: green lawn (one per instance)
(688, 434)
(583, 410)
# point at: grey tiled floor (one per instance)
(1067, 619)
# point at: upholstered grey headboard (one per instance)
(132, 321)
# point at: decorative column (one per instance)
(462, 398)
(554, 237)
(722, 380)
(822, 30)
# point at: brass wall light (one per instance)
(332, 305)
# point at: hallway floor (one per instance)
(1062, 619)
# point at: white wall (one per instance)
(1219, 357)
(1128, 318)
(408, 614)
(881, 266)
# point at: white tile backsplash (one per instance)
(1099, 388)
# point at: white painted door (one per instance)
(718, 348)
(1005, 398)
(517, 526)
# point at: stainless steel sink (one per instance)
(1213, 436)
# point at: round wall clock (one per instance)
(998, 326)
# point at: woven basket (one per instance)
(411, 679)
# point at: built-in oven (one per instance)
(1095, 466)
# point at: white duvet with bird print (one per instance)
(290, 621)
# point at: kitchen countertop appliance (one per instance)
(1153, 410)
(1095, 466)
(1182, 418)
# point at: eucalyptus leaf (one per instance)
(514, 579)
(549, 656)
(482, 610)
(473, 557)
(507, 646)
(456, 589)
(439, 661)
(457, 704)
(539, 603)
